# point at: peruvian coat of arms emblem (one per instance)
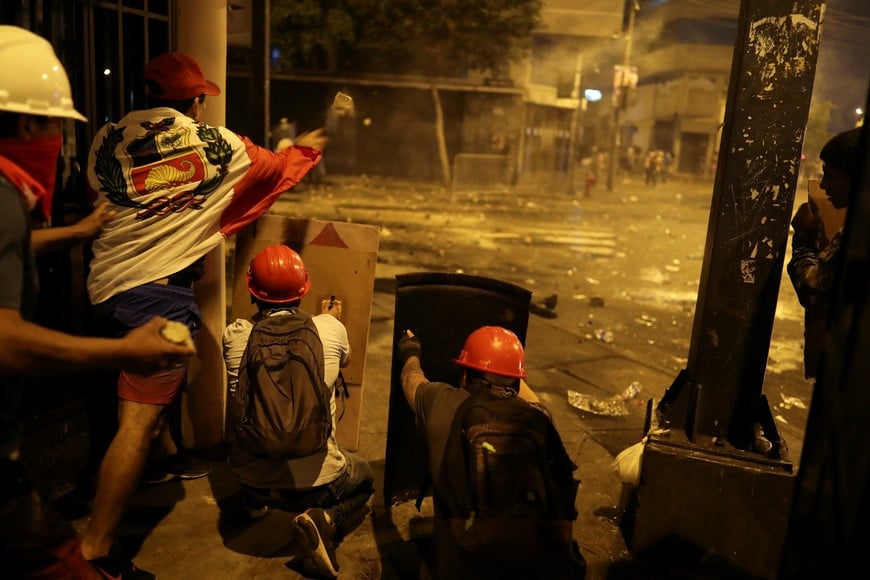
(168, 167)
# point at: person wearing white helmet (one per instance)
(37, 96)
(35, 99)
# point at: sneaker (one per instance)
(178, 466)
(315, 536)
(113, 566)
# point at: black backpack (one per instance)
(281, 408)
(506, 481)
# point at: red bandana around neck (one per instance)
(31, 166)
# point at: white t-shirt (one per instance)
(306, 472)
(178, 188)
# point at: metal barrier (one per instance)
(480, 172)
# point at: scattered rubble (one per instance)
(611, 407)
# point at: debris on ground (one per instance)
(645, 320)
(549, 302)
(604, 335)
(789, 402)
(610, 407)
(761, 443)
(627, 464)
(545, 307)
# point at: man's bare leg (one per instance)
(120, 473)
(165, 445)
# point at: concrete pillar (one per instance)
(201, 31)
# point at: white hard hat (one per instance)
(32, 79)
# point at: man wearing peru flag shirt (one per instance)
(178, 187)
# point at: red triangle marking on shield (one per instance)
(329, 237)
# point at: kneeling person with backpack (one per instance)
(282, 370)
(502, 483)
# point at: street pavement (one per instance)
(624, 268)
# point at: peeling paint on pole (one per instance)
(785, 45)
(768, 103)
(707, 483)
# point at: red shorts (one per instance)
(157, 389)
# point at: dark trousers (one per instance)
(345, 497)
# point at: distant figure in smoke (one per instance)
(667, 160)
(652, 167)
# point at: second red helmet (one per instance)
(278, 275)
(495, 350)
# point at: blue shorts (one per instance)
(125, 311)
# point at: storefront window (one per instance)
(107, 78)
(121, 52)
(104, 46)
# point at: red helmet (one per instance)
(277, 275)
(495, 350)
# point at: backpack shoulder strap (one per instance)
(341, 393)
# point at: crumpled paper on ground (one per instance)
(611, 407)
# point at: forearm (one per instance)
(412, 378)
(30, 350)
(805, 273)
(45, 240)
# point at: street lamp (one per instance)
(622, 82)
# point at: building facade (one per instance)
(683, 54)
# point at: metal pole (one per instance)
(575, 123)
(619, 103)
(754, 190)
(260, 85)
(719, 479)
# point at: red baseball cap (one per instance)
(179, 77)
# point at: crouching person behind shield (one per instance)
(282, 368)
(502, 483)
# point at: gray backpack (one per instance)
(281, 408)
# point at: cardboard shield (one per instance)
(341, 259)
(442, 309)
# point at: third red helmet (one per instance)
(495, 350)
(277, 275)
